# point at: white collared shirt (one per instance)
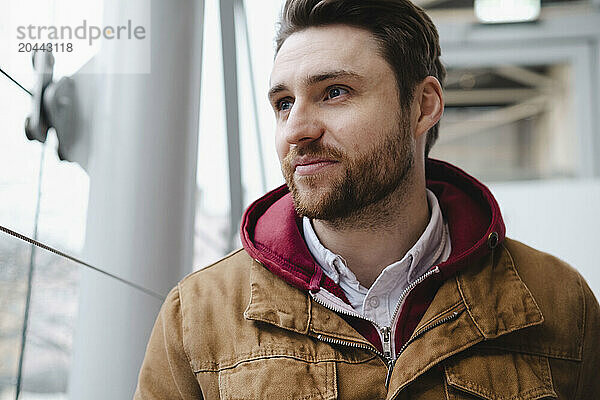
(379, 302)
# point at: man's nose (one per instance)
(303, 124)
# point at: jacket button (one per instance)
(493, 240)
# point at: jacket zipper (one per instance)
(387, 332)
(410, 287)
(347, 343)
(339, 342)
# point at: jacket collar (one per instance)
(277, 303)
(496, 299)
(483, 302)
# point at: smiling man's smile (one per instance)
(312, 167)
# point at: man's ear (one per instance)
(429, 100)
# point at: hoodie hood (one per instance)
(271, 230)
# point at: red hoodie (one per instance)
(271, 233)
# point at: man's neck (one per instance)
(378, 235)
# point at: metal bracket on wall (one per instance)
(54, 105)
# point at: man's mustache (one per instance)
(313, 150)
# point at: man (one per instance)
(375, 272)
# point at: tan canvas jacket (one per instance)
(520, 325)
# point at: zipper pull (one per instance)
(387, 345)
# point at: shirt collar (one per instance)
(429, 248)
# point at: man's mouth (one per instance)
(310, 166)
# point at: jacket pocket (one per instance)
(279, 378)
(498, 375)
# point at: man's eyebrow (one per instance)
(276, 89)
(313, 79)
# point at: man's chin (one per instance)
(312, 190)
(314, 203)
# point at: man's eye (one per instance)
(335, 92)
(283, 105)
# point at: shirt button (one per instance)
(374, 302)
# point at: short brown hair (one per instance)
(408, 39)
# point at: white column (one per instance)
(142, 169)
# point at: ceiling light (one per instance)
(504, 11)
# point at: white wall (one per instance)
(558, 217)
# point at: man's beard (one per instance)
(367, 179)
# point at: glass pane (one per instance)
(212, 212)
(56, 331)
(19, 158)
(49, 337)
(14, 268)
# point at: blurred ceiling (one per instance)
(452, 4)
(498, 86)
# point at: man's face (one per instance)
(341, 137)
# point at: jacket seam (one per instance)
(270, 322)
(467, 306)
(338, 361)
(583, 314)
(527, 350)
(171, 369)
(479, 390)
(181, 326)
(514, 268)
(373, 357)
(272, 352)
(580, 371)
(446, 390)
(267, 357)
